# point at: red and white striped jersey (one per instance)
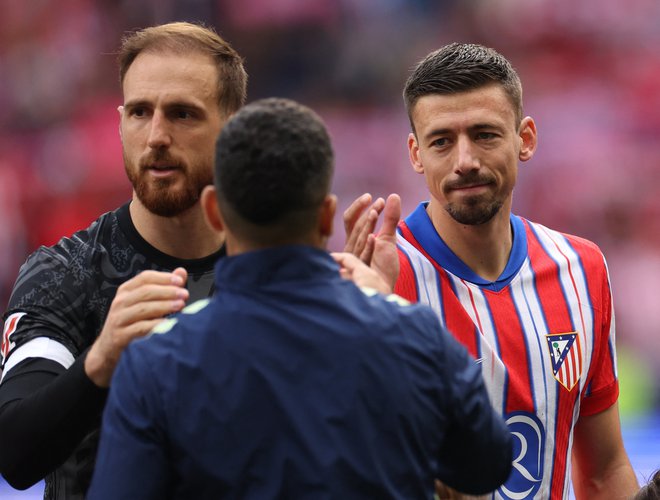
(543, 332)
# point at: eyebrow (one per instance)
(170, 105)
(473, 128)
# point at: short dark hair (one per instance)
(651, 490)
(460, 67)
(181, 38)
(273, 169)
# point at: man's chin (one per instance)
(168, 207)
(473, 216)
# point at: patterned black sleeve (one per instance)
(60, 293)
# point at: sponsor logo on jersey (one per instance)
(11, 324)
(566, 357)
(528, 456)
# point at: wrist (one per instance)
(97, 368)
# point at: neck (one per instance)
(484, 248)
(184, 236)
(238, 245)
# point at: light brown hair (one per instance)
(182, 38)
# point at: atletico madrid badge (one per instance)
(566, 357)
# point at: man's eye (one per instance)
(139, 112)
(485, 135)
(440, 142)
(183, 114)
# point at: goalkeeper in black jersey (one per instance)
(76, 305)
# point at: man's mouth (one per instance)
(161, 170)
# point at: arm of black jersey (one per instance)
(45, 411)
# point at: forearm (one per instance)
(45, 411)
(618, 481)
(601, 468)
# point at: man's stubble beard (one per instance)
(473, 213)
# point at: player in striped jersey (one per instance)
(532, 305)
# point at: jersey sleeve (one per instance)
(54, 297)
(132, 443)
(602, 385)
(476, 455)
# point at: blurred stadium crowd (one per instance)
(590, 70)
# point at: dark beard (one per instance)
(474, 211)
(473, 214)
(160, 197)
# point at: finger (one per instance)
(346, 260)
(368, 251)
(360, 221)
(354, 211)
(137, 330)
(155, 278)
(180, 271)
(391, 216)
(148, 293)
(363, 227)
(146, 310)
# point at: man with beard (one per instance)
(533, 306)
(75, 306)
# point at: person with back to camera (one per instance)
(75, 306)
(291, 381)
(532, 305)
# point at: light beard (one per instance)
(162, 196)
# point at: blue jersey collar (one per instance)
(424, 232)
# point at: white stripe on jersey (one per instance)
(612, 332)
(494, 371)
(428, 283)
(41, 347)
(575, 289)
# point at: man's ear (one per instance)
(120, 109)
(528, 137)
(413, 153)
(211, 209)
(327, 216)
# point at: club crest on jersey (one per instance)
(566, 357)
(11, 324)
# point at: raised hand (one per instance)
(379, 251)
(359, 223)
(140, 304)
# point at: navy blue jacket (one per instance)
(294, 383)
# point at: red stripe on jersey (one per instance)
(603, 375)
(10, 327)
(513, 352)
(405, 285)
(558, 320)
(456, 319)
(548, 287)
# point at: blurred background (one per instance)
(591, 78)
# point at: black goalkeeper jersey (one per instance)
(64, 293)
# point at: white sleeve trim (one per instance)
(41, 347)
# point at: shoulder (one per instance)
(172, 331)
(71, 262)
(394, 308)
(557, 241)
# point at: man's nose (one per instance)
(467, 157)
(159, 133)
